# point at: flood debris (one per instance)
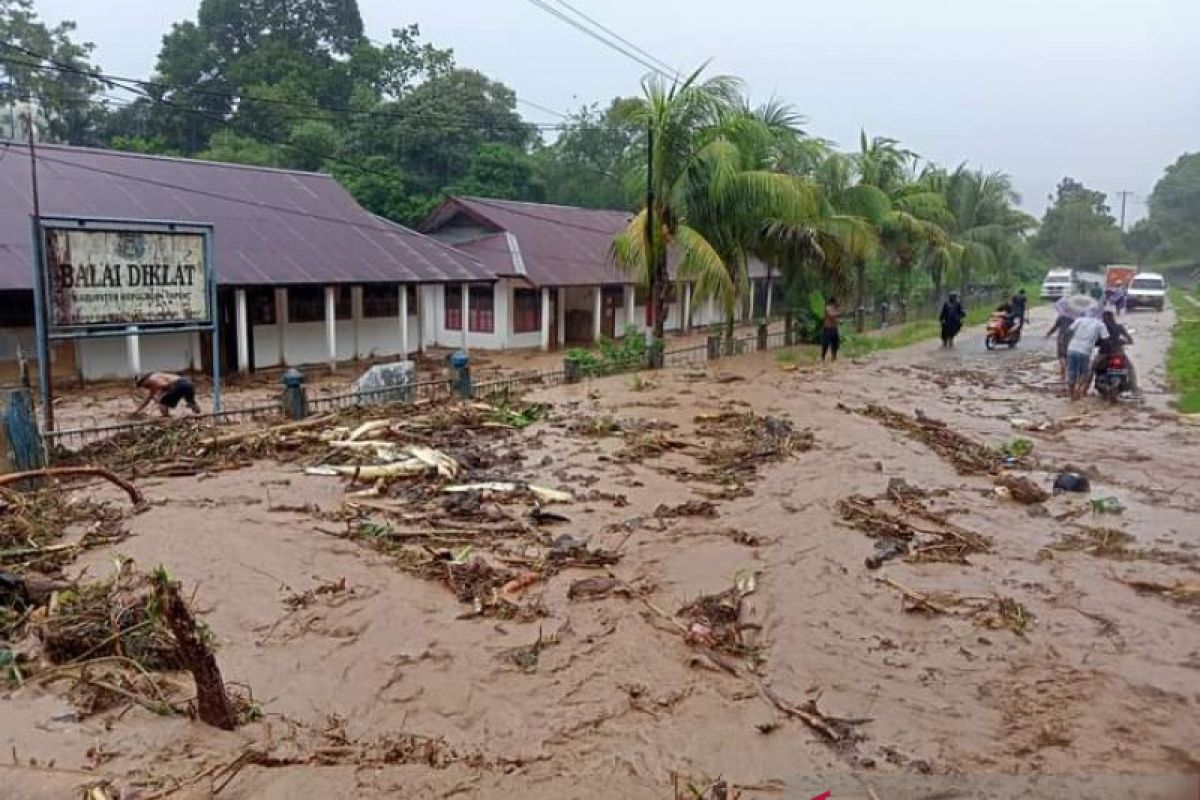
(717, 621)
(593, 588)
(968, 456)
(690, 508)
(1185, 593)
(44, 529)
(913, 530)
(836, 730)
(1071, 482)
(1021, 488)
(987, 611)
(121, 641)
(739, 443)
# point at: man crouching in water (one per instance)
(168, 389)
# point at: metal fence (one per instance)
(692, 356)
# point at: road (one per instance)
(1082, 683)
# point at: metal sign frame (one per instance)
(48, 333)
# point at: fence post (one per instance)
(789, 329)
(714, 347)
(572, 370)
(295, 396)
(20, 440)
(762, 336)
(460, 370)
(860, 319)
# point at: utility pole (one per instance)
(40, 286)
(1124, 194)
(651, 278)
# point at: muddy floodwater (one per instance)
(1000, 648)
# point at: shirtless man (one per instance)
(168, 389)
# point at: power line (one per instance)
(598, 36)
(116, 81)
(617, 36)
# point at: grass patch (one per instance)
(1183, 359)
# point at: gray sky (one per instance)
(1104, 90)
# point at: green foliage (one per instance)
(586, 164)
(501, 171)
(1142, 239)
(1078, 231)
(1175, 208)
(1183, 358)
(65, 113)
(628, 353)
(1016, 447)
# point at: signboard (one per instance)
(123, 276)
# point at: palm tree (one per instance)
(984, 225)
(674, 116)
(717, 203)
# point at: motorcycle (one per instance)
(1112, 377)
(999, 332)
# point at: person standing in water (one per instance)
(831, 339)
(1062, 327)
(952, 317)
(168, 389)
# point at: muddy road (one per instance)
(1055, 654)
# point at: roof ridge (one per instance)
(486, 200)
(133, 155)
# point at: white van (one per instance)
(1147, 290)
(1058, 283)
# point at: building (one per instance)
(558, 284)
(305, 274)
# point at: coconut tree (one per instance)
(675, 116)
(715, 199)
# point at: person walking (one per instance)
(1085, 333)
(1019, 304)
(952, 317)
(831, 338)
(1062, 327)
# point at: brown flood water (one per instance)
(1099, 697)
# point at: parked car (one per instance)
(1058, 283)
(1147, 290)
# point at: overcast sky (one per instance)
(1107, 91)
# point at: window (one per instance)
(307, 303)
(527, 311)
(381, 300)
(482, 311)
(261, 305)
(452, 307)
(16, 309)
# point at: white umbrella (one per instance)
(1076, 306)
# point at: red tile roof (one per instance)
(269, 226)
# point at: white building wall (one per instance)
(108, 359)
(439, 335)
(305, 343)
(266, 346)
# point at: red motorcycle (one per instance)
(1001, 331)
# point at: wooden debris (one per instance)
(968, 456)
(135, 494)
(1022, 489)
(212, 703)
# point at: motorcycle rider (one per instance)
(1115, 342)
(1019, 303)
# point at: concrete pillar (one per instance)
(686, 322)
(421, 318)
(242, 326)
(545, 318)
(356, 312)
(770, 292)
(562, 316)
(630, 305)
(133, 351)
(281, 323)
(466, 309)
(597, 313)
(331, 325)
(403, 321)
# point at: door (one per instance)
(610, 300)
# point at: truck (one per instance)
(1058, 283)
(1147, 290)
(1118, 275)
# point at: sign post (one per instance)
(101, 278)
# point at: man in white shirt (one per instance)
(1085, 333)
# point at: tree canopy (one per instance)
(1175, 209)
(1078, 230)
